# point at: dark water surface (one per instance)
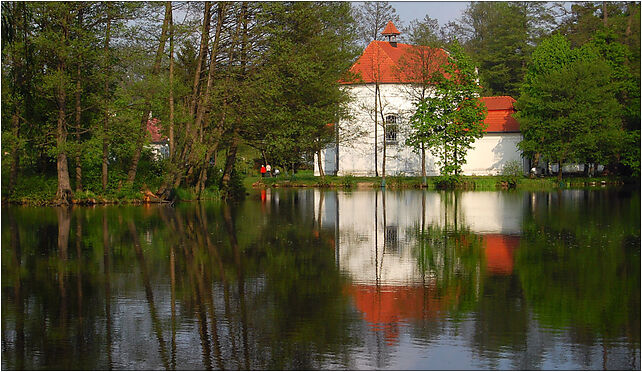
(310, 279)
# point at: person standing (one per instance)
(268, 170)
(263, 170)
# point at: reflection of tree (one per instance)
(579, 262)
(450, 255)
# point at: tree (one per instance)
(421, 65)
(308, 51)
(452, 119)
(372, 17)
(500, 37)
(567, 109)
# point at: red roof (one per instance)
(390, 29)
(154, 130)
(500, 114)
(380, 62)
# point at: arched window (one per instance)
(392, 121)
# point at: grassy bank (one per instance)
(488, 183)
(41, 190)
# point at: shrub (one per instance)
(511, 172)
(348, 181)
(447, 182)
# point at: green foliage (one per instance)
(36, 189)
(511, 174)
(447, 182)
(235, 189)
(568, 110)
(348, 181)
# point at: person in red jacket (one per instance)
(263, 170)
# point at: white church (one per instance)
(359, 146)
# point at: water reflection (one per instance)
(313, 279)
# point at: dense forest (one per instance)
(237, 84)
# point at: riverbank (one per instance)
(482, 183)
(42, 192)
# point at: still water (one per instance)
(310, 279)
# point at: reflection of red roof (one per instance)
(385, 306)
(390, 29)
(500, 111)
(499, 253)
(154, 130)
(380, 62)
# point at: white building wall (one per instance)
(357, 140)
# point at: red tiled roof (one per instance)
(390, 29)
(500, 114)
(154, 130)
(499, 102)
(380, 62)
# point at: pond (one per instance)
(310, 279)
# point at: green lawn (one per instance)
(306, 178)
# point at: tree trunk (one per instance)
(171, 82)
(78, 116)
(201, 58)
(15, 130)
(131, 175)
(106, 113)
(605, 14)
(202, 109)
(231, 155)
(320, 164)
(423, 164)
(230, 160)
(384, 124)
(64, 193)
(559, 171)
(375, 131)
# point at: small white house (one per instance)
(359, 146)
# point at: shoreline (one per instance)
(468, 183)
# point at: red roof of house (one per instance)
(500, 114)
(154, 130)
(379, 62)
(390, 29)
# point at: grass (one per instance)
(306, 178)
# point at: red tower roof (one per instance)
(390, 29)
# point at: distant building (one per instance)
(159, 144)
(354, 152)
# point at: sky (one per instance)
(442, 11)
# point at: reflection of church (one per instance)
(378, 235)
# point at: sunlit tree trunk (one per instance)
(105, 133)
(171, 82)
(78, 116)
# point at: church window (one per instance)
(391, 128)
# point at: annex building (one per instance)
(381, 75)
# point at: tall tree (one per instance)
(500, 37)
(567, 109)
(131, 175)
(452, 119)
(372, 17)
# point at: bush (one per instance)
(511, 172)
(348, 181)
(447, 182)
(235, 189)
